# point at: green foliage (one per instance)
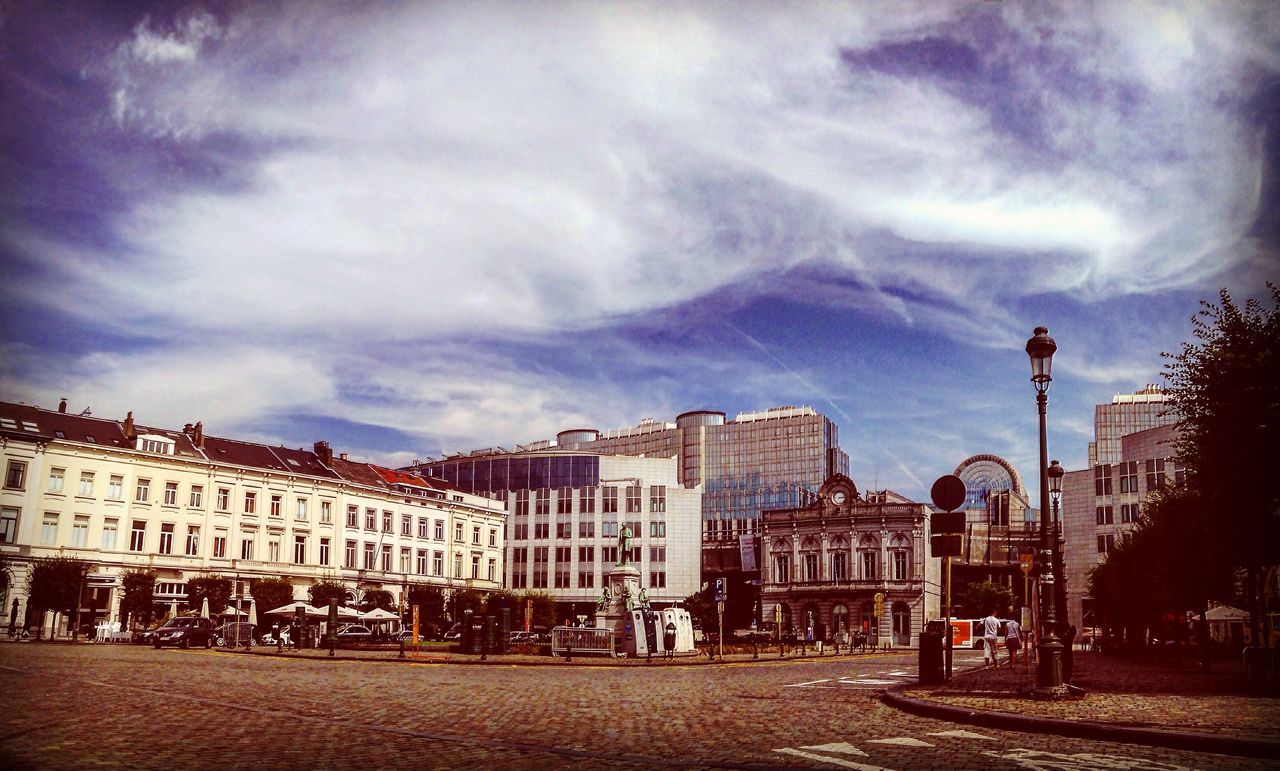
(54, 583)
(271, 593)
(322, 591)
(377, 598)
(215, 587)
(6, 573)
(702, 609)
(463, 600)
(544, 609)
(977, 599)
(138, 596)
(430, 602)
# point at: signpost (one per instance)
(946, 537)
(719, 591)
(777, 624)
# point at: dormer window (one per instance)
(160, 445)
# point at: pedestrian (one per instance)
(990, 633)
(1013, 639)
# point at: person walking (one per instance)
(990, 633)
(1013, 640)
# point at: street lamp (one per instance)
(1040, 349)
(1065, 633)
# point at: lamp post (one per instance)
(1064, 631)
(1040, 349)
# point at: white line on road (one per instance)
(902, 741)
(844, 747)
(828, 759)
(960, 735)
(811, 682)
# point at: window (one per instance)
(657, 529)
(250, 503)
(1106, 543)
(171, 493)
(273, 550)
(224, 499)
(369, 556)
(353, 517)
(80, 532)
(166, 538)
(109, 528)
(276, 503)
(657, 499)
(457, 566)
(657, 554)
(564, 529)
(1102, 479)
(1155, 473)
(437, 563)
(424, 527)
(371, 519)
(610, 502)
(1129, 477)
(1128, 512)
(86, 483)
(475, 565)
(493, 536)
(115, 487)
(609, 529)
(324, 551)
(899, 565)
(522, 503)
(540, 554)
(998, 507)
(587, 500)
(586, 577)
(657, 579)
(302, 510)
(388, 522)
(143, 490)
(439, 531)
(15, 475)
(475, 535)
(197, 496)
(404, 559)
(193, 540)
(493, 569)
(349, 555)
(633, 499)
(810, 567)
(49, 530)
(840, 566)
(386, 558)
(542, 502)
(299, 550)
(55, 479)
(406, 524)
(520, 531)
(542, 530)
(782, 568)
(586, 554)
(564, 500)
(220, 544)
(420, 565)
(1105, 515)
(137, 535)
(586, 530)
(457, 531)
(246, 546)
(609, 555)
(869, 572)
(326, 512)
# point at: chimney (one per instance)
(343, 456)
(128, 426)
(187, 428)
(324, 452)
(62, 405)
(199, 438)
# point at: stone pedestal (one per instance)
(623, 583)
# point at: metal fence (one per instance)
(578, 640)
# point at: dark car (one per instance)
(184, 632)
(354, 633)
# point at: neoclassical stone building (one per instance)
(825, 564)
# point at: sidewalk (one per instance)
(1160, 703)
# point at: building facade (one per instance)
(825, 564)
(1131, 455)
(1000, 527)
(566, 510)
(182, 504)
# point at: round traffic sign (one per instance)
(948, 492)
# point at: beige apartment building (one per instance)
(182, 504)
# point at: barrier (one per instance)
(584, 641)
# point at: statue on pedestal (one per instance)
(602, 604)
(624, 545)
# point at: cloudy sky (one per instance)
(424, 227)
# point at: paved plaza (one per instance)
(80, 706)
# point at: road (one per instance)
(129, 706)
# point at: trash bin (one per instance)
(931, 669)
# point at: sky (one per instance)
(417, 228)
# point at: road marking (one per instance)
(902, 741)
(960, 735)
(1083, 761)
(844, 747)
(828, 759)
(869, 681)
(811, 682)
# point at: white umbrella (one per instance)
(292, 608)
(230, 611)
(378, 614)
(253, 612)
(204, 608)
(173, 608)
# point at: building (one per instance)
(181, 504)
(1131, 455)
(825, 564)
(565, 510)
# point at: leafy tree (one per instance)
(322, 591)
(136, 602)
(54, 583)
(216, 588)
(463, 600)
(544, 608)
(980, 597)
(702, 608)
(377, 598)
(1223, 387)
(430, 602)
(271, 593)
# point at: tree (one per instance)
(54, 583)
(377, 598)
(979, 598)
(137, 600)
(544, 609)
(322, 591)
(271, 593)
(1223, 387)
(430, 602)
(216, 588)
(702, 608)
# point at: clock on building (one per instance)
(838, 497)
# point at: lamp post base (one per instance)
(1049, 685)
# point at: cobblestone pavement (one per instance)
(1168, 695)
(82, 706)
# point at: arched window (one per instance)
(901, 624)
(839, 619)
(839, 561)
(782, 561)
(868, 558)
(900, 557)
(809, 560)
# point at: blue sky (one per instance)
(415, 228)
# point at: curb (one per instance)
(1085, 729)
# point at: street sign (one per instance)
(720, 607)
(777, 614)
(945, 545)
(1025, 559)
(948, 492)
(719, 590)
(945, 522)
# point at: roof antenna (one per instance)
(86, 413)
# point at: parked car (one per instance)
(406, 635)
(184, 632)
(519, 637)
(454, 633)
(354, 633)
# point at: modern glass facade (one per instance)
(490, 476)
(1126, 414)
